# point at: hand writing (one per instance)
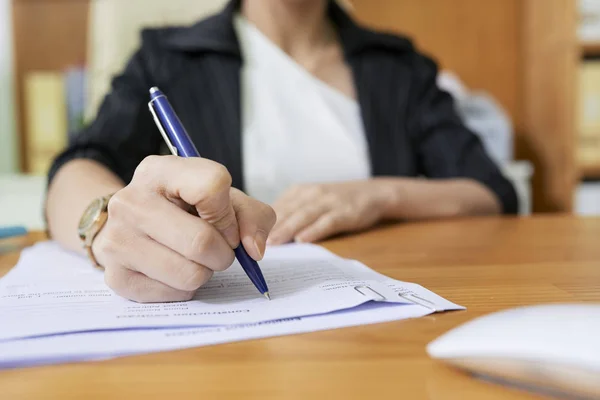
(154, 249)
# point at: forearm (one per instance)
(73, 188)
(414, 199)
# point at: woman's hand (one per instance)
(155, 248)
(311, 212)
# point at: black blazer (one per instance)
(411, 126)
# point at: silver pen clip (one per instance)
(162, 129)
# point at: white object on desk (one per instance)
(551, 347)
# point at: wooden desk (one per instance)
(485, 264)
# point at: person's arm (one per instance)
(104, 155)
(459, 178)
(151, 246)
(73, 188)
(457, 166)
(311, 212)
(418, 199)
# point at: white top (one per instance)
(296, 128)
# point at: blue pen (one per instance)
(180, 144)
(12, 231)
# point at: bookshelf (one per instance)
(49, 36)
(590, 171)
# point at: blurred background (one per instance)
(525, 75)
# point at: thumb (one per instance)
(255, 219)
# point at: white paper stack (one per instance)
(55, 307)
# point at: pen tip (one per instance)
(267, 295)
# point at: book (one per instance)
(54, 112)
(46, 119)
(588, 110)
(75, 97)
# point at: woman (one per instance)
(288, 100)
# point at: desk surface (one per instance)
(485, 264)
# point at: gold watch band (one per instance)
(93, 258)
(93, 231)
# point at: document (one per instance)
(51, 291)
(92, 346)
(54, 306)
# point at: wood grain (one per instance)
(550, 57)
(478, 40)
(485, 264)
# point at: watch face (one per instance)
(90, 215)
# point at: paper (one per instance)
(51, 291)
(105, 345)
(55, 307)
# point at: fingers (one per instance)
(255, 220)
(312, 212)
(162, 264)
(291, 224)
(154, 249)
(193, 238)
(202, 183)
(298, 208)
(137, 287)
(326, 225)
(151, 272)
(287, 203)
(295, 198)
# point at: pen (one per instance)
(12, 231)
(180, 144)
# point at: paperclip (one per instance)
(419, 301)
(381, 297)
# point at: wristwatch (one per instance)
(91, 222)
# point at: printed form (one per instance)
(54, 306)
